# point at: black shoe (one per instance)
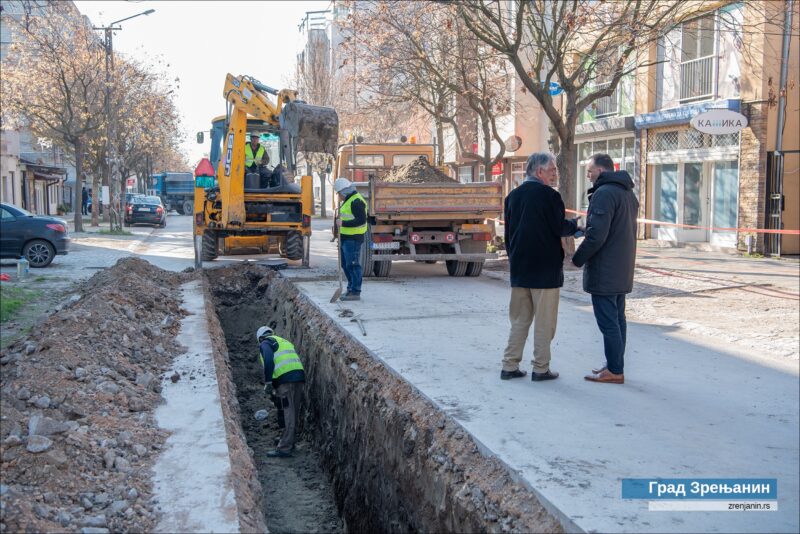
(538, 377)
(351, 296)
(279, 454)
(508, 375)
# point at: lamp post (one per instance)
(109, 50)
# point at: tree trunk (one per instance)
(95, 199)
(565, 161)
(78, 204)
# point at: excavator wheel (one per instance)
(208, 251)
(293, 246)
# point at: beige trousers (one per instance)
(525, 306)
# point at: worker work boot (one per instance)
(279, 454)
(351, 296)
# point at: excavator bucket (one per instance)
(312, 128)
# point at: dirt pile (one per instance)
(77, 433)
(417, 172)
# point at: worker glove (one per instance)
(268, 390)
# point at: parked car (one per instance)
(37, 238)
(146, 210)
(129, 198)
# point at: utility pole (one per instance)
(108, 46)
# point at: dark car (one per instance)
(146, 210)
(37, 238)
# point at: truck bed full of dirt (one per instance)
(417, 172)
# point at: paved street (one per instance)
(693, 405)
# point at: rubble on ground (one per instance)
(418, 171)
(77, 395)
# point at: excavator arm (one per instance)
(301, 127)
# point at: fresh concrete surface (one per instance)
(689, 409)
(193, 475)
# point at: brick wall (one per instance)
(752, 176)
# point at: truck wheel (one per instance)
(188, 207)
(382, 268)
(456, 268)
(367, 265)
(209, 251)
(474, 268)
(293, 246)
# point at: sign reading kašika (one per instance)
(719, 121)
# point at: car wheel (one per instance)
(39, 253)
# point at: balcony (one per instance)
(608, 105)
(697, 79)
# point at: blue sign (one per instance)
(731, 489)
(682, 114)
(554, 88)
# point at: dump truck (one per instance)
(435, 219)
(176, 191)
(254, 208)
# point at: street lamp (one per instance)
(109, 50)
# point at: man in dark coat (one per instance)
(534, 226)
(609, 252)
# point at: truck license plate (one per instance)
(394, 245)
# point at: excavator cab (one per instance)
(265, 209)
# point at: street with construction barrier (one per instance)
(410, 393)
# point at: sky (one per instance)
(202, 41)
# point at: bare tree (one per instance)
(53, 82)
(420, 53)
(585, 47)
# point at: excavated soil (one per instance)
(77, 397)
(78, 436)
(395, 462)
(417, 172)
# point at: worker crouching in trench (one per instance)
(284, 380)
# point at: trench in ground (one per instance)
(373, 454)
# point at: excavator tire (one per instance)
(293, 246)
(208, 251)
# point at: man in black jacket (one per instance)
(609, 252)
(534, 226)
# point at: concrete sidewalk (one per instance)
(688, 410)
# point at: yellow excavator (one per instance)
(266, 209)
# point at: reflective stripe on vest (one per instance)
(248, 154)
(346, 213)
(285, 358)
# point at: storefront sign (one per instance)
(683, 114)
(719, 121)
(497, 169)
(131, 182)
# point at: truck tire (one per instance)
(456, 268)
(474, 268)
(382, 268)
(208, 251)
(292, 246)
(367, 265)
(188, 207)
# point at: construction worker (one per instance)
(254, 154)
(352, 224)
(283, 372)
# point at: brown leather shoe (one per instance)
(606, 376)
(599, 369)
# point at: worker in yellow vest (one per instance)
(255, 155)
(284, 373)
(352, 224)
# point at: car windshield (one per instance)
(148, 200)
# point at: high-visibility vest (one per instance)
(248, 154)
(285, 358)
(346, 213)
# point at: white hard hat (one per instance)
(341, 184)
(263, 331)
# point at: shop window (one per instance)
(615, 149)
(517, 174)
(629, 147)
(465, 175)
(666, 189)
(481, 173)
(726, 189)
